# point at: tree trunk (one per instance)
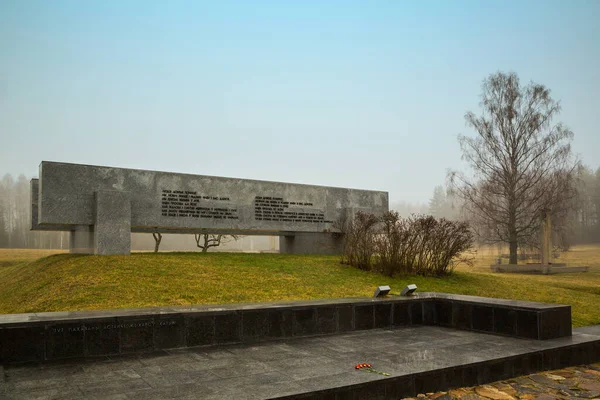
(512, 233)
(513, 246)
(157, 238)
(206, 243)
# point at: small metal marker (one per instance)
(407, 291)
(382, 291)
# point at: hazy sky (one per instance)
(355, 94)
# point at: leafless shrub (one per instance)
(442, 246)
(421, 245)
(359, 240)
(388, 243)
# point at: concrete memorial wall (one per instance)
(101, 206)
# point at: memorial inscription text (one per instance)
(180, 203)
(96, 327)
(278, 209)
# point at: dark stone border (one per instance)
(462, 376)
(2, 381)
(53, 336)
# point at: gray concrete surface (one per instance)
(311, 243)
(67, 197)
(113, 222)
(64, 198)
(81, 239)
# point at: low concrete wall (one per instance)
(51, 336)
(537, 268)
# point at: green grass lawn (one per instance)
(62, 282)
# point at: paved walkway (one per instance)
(581, 382)
(270, 369)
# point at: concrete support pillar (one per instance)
(112, 223)
(546, 239)
(311, 243)
(82, 240)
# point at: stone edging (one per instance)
(51, 336)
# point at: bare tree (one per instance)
(206, 240)
(157, 239)
(521, 161)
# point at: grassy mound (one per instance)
(84, 282)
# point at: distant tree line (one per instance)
(583, 220)
(15, 222)
(15, 214)
(580, 224)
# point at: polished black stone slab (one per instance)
(417, 358)
(62, 335)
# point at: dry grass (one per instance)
(580, 290)
(83, 282)
(18, 255)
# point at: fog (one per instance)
(15, 213)
(360, 96)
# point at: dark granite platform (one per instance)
(302, 349)
(64, 335)
(418, 359)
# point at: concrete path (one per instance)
(266, 370)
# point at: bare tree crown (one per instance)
(521, 161)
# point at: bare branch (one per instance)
(520, 160)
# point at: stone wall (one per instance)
(68, 195)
